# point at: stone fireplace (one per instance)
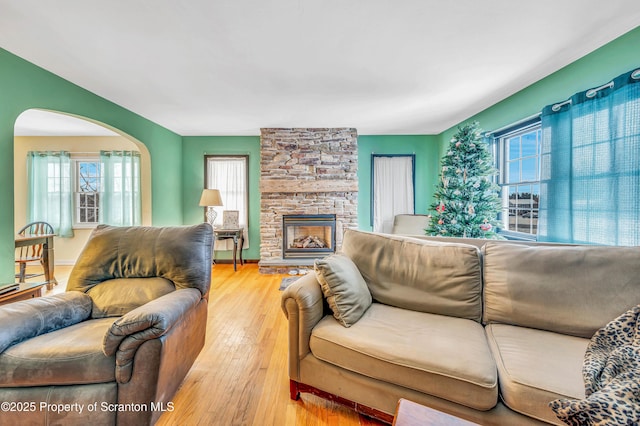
(305, 171)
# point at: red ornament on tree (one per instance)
(486, 227)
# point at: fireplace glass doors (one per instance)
(308, 236)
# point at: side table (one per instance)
(237, 235)
(23, 292)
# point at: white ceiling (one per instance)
(230, 67)
(35, 122)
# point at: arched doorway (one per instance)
(43, 130)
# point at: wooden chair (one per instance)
(31, 253)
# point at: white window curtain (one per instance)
(393, 191)
(228, 174)
(50, 190)
(120, 197)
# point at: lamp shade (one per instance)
(210, 197)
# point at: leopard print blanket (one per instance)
(611, 373)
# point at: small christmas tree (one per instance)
(466, 200)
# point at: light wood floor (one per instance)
(240, 377)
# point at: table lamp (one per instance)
(209, 199)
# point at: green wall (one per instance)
(24, 86)
(597, 68)
(426, 149)
(193, 152)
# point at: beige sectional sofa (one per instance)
(490, 331)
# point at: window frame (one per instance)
(502, 163)
(244, 157)
(75, 161)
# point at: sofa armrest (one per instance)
(30, 318)
(149, 321)
(303, 305)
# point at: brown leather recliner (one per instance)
(114, 347)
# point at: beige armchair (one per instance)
(410, 224)
(114, 347)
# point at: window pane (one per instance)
(513, 208)
(88, 184)
(514, 171)
(529, 169)
(535, 195)
(88, 176)
(529, 144)
(514, 148)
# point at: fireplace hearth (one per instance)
(308, 236)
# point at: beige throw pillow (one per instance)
(343, 286)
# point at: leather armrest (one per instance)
(149, 321)
(30, 318)
(303, 305)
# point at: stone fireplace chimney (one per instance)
(305, 171)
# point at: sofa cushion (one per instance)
(421, 275)
(440, 355)
(536, 367)
(572, 290)
(344, 288)
(114, 298)
(71, 355)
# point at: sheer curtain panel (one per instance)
(392, 189)
(120, 188)
(228, 174)
(590, 166)
(50, 189)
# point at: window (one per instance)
(392, 189)
(120, 196)
(50, 189)
(229, 175)
(87, 174)
(518, 160)
(589, 188)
